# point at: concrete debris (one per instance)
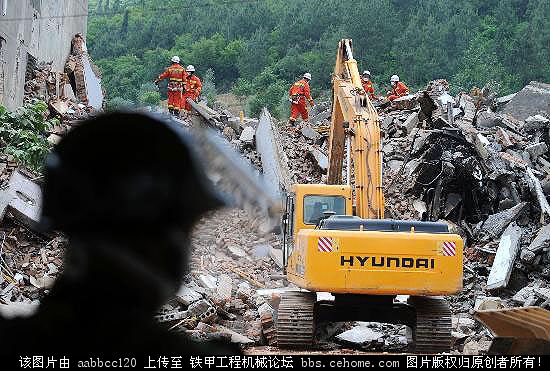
(320, 159)
(73, 94)
(187, 296)
(488, 303)
(207, 281)
(540, 242)
(22, 199)
(533, 99)
(247, 135)
(536, 150)
(310, 133)
(536, 122)
(360, 335)
(411, 122)
(505, 257)
(495, 224)
(224, 288)
(277, 256)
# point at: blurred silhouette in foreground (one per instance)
(126, 189)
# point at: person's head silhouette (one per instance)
(126, 188)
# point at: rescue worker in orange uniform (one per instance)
(176, 76)
(298, 93)
(367, 85)
(193, 87)
(399, 89)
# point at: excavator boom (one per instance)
(354, 112)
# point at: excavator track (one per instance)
(432, 333)
(296, 320)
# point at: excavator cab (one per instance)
(307, 205)
(337, 241)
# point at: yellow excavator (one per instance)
(336, 239)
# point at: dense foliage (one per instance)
(258, 47)
(23, 134)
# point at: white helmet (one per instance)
(175, 59)
(307, 75)
(366, 72)
(394, 78)
(190, 68)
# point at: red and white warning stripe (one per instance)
(324, 244)
(448, 248)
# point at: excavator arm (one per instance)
(355, 118)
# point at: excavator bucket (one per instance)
(518, 330)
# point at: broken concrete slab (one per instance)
(536, 150)
(505, 258)
(495, 224)
(60, 106)
(187, 296)
(531, 100)
(236, 251)
(320, 158)
(523, 295)
(44, 282)
(274, 160)
(542, 292)
(488, 303)
(224, 288)
(244, 292)
(407, 102)
(505, 99)
(310, 133)
(26, 199)
(536, 122)
(207, 281)
(541, 241)
(247, 135)
(235, 336)
(503, 138)
(360, 335)
(277, 256)
(536, 190)
(487, 119)
(411, 122)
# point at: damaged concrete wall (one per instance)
(33, 31)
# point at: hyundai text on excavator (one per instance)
(336, 239)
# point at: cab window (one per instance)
(315, 206)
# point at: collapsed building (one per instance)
(31, 32)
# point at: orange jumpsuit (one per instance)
(299, 92)
(369, 89)
(399, 90)
(193, 87)
(176, 75)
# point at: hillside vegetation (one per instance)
(257, 48)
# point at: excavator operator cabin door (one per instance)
(288, 228)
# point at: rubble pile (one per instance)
(481, 164)
(29, 261)
(306, 146)
(228, 292)
(73, 94)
